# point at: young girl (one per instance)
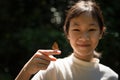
(83, 27)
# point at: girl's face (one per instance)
(84, 34)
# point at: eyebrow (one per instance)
(75, 23)
(78, 24)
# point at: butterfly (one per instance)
(55, 46)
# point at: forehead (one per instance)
(84, 18)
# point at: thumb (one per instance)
(58, 52)
(52, 58)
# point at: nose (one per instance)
(84, 37)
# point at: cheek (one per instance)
(72, 36)
(72, 39)
(95, 39)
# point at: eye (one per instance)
(92, 29)
(76, 30)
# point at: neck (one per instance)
(88, 58)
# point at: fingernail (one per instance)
(58, 51)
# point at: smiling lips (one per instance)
(84, 45)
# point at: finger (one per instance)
(42, 61)
(47, 54)
(42, 66)
(50, 52)
(52, 58)
(44, 57)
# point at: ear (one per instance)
(68, 37)
(102, 32)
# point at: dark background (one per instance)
(29, 25)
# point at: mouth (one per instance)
(83, 45)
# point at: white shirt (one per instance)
(71, 68)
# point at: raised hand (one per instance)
(39, 61)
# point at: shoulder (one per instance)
(108, 72)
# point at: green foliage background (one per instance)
(29, 25)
